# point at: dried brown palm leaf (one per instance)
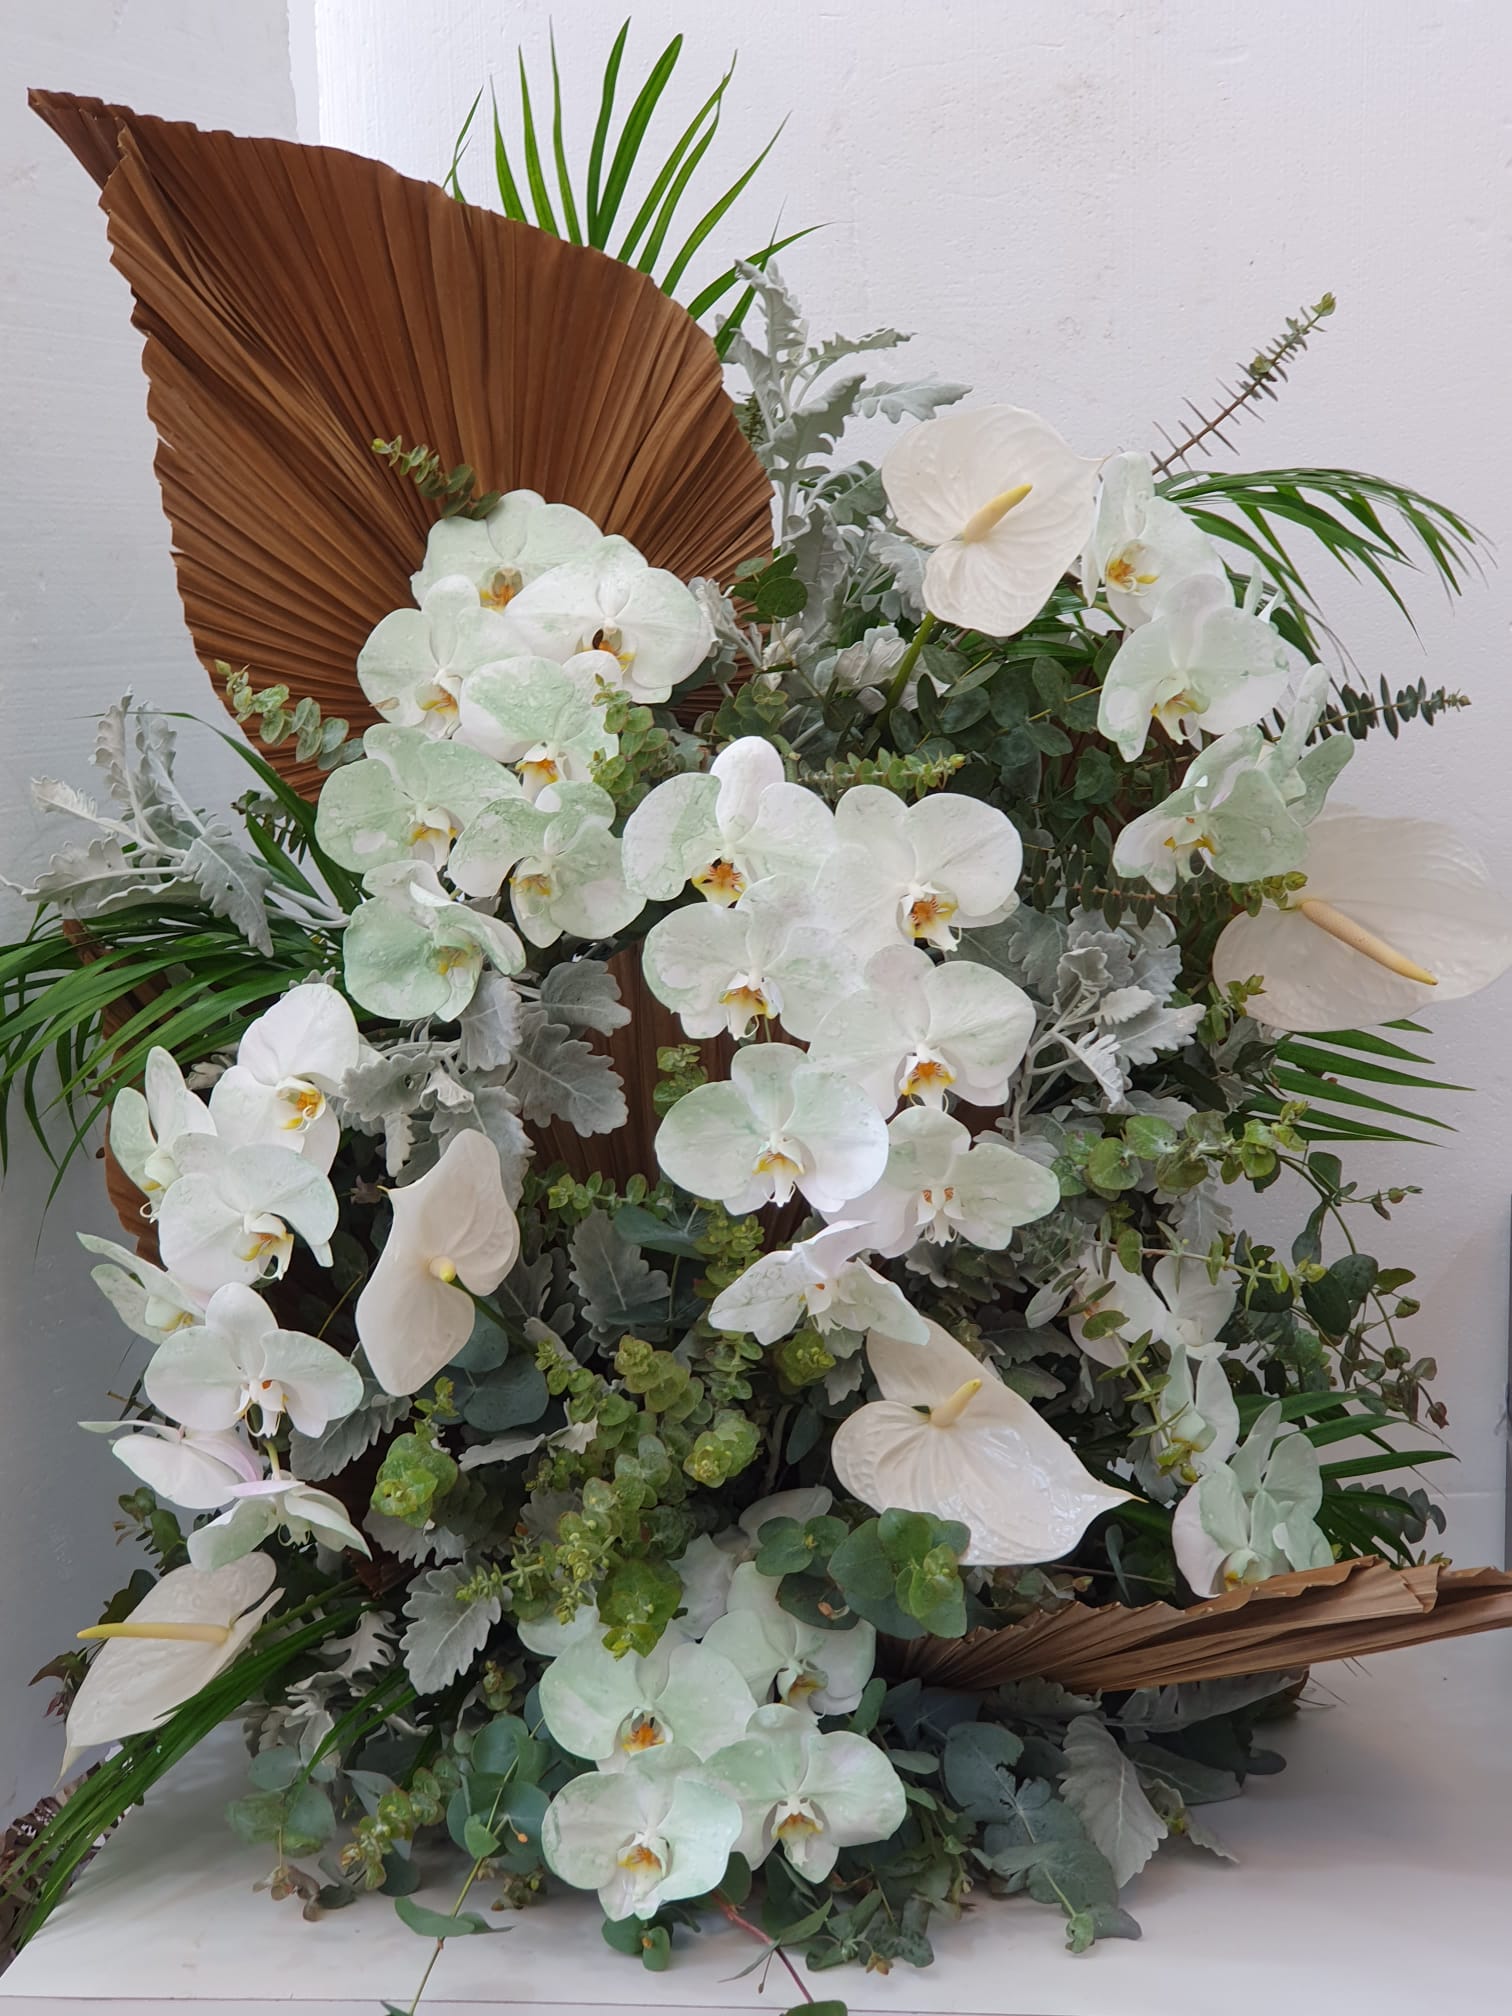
(297, 302)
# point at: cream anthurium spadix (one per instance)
(940, 1185)
(560, 859)
(611, 1710)
(642, 1837)
(1253, 1516)
(766, 959)
(288, 1064)
(824, 1671)
(453, 1224)
(413, 666)
(806, 1792)
(146, 1126)
(186, 1629)
(533, 715)
(779, 1124)
(607, 599)
(918, 874)
(415, 951)
(1005, 504)
(1178, 1306)
(819, 1280)
(406, 800)
(949, 1438)
(723, 829)
(1393, 914)
(238, 1362)
(234, 1212)
(1141, 545)
(917, 1030)
(521, 538)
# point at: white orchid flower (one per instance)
(824, 1671)
(548, 1636)
(706, 1567)
(146, 1126)
(1005, 504)
(803, 1503)
(805, 1792)
(412, 668)
(1141, 545)
(561, 861)
(940, 1185)
(777, 1125)
(918, 1030)
(770, 958)
(642, 1837)
(1394, 913)
(918, 873)
(612, 1709)
(276, 1504)
(1253, 1516)
(949, 1438)
(820, 1281)
(148, 1301)
(516, 542)
(1196, 1419)
(413, 951)
(234, 1212)
(288, 1064)
(197, 1468)
(406, 800)
(724, 829)
(607, 599)
(454, 1224)
(239, 1359)
(1178, 1307)
(1199, 666)
(532, 714)
(188, 1628)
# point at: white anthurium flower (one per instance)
(531, 714)
(146, 1126)
(288, 1064)
(1253, 1516)
(234, 1212)
(272, 1505)
(820, 1281)
(642, 1837)
(940, 1185)
(1005, 504)
(918, 874)
(1200, 666)
(196, 1468)
(918, 1030)
(413, 666)
(516, 542)
(148, 1301)
(612, 1709)
(548, 1636)
(186, 1629)
(824, 1671)
(407, 800)
(413, 951)
(238, 1359)
(806, 1792)
(454, 1224)
(607, 599)
(770, 958)
(561, 861)
(1141, 544)
(738, 823)
(1179, 1307)
(1196, 1418)
(1394, 914)
(779, 1124)
(949, 1438)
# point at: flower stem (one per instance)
(756, 1932)
(897, 685)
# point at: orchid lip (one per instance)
(1358, 939)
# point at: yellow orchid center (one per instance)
(537, 884)
(778, 1164)
(448, 957)
(929, 914)
(501, 588)
(644, 1733)
(798, 1823)
(992, 513)
(536, 772)
(640, 1857)
(928, 1075)
(1123, 571)
(440, 703)
(266, 1245)
(1358, 939)
(611, 640)
(423, 833)
(747, 997)
(167, 1634)
(442, 1268)
(1172, 712)
(307, 1102)
(721, 882)
(950, 1411)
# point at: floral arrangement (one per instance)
(703, 1168)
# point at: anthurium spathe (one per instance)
(146, 1126)
(560, 859)
(415, 951)
(769, 958)
(823, 1671)
(1200, 666)
(1253, 1516)
(607, 599)
(407, 800)
(613, 1709)
(1141, 545)
(917, 1030)
(642, 1837)
(276, 1504)
(940, 1185)
(413, 666)
(521, 538)
(1005, 504)
(918, 874)
(239, 1363)
(188, 1628)
(529, 713)
(234, 1212)
(805, 1792)
(288, 1064)
(726, 828)
(818, 1280)
(949, 1438)
(1179, 1306)
(777, 1125)
(452, 1225)
(1393, 914)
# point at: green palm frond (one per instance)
(1343, 1074)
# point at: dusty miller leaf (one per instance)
(1102, 1787)
(445, 1635)
(620, 1291)
(1181, 1705)
(232, 884)
(557, 1077)
(584, 994)
(312, 1457)
(490, 1025)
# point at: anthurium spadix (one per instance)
(1005, 504)
(949, 1438)
(288, 1064)
(724, 829)
(234, 1212)
(413, 665)
(406, 800)
(777, 1125)
(820, 1281)
(533, 715)
(414, 951)
(767, 959)
(146, 1126)
(1141, 545)
(560, 859)
(940, 1185)
(1253, 1516)
(642, 1837)
(238, 1362)
(1178, 1307)
(1393, 913)
(917, 1030)
(922, 873)
(453, 1224)
(614, 1709)
(186, 1629)
(276, 1504)
(521, 538)
(824, 1671)
(607, 599)
(806, 1792)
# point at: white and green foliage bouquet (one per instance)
(997, 878)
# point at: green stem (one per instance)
(897, 685)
